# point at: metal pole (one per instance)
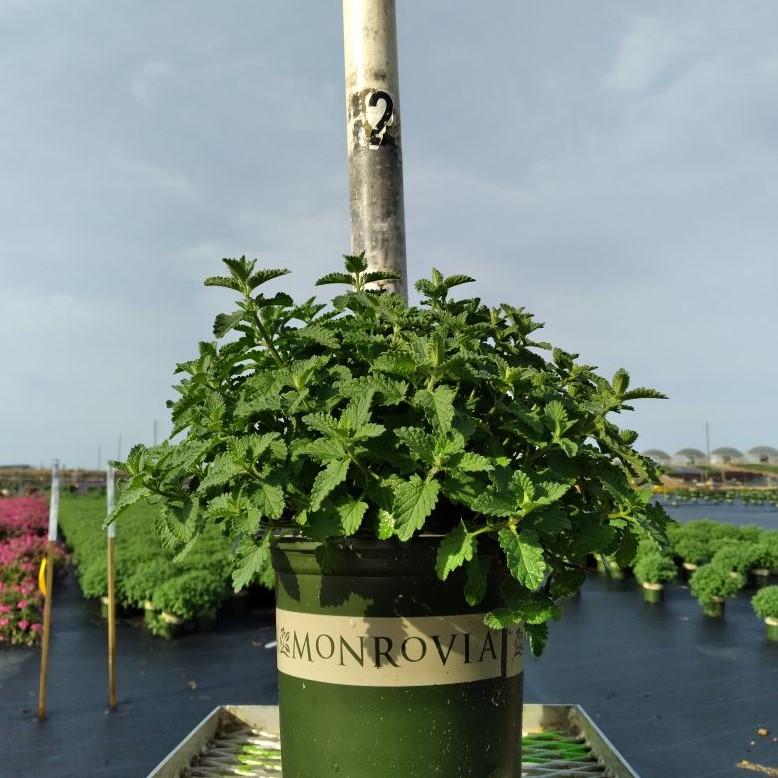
(111, 538)
(46, 637)
(155, 432)
(373, 137)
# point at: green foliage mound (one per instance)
(713, 581)
(738, 555)
(654, 567)
(765, 602)
(144, 569)
(372, 417)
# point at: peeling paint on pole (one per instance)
(374, 137)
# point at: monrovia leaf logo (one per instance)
(396, 651)
(283, 642)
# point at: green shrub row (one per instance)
(145, 572)
(722, 555)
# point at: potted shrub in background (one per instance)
(765, 604)
(653, 570)
(712, 585)
(690, 542)
(427, 483)
(738, 556)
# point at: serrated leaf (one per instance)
(538, 637)
(500, 618)
(355, 263)
(357, 413)
(224, 322)
(413, 502)
(335, 278)
(263, 276)
(569, 447)
(327, 480)
(524, 555)
(250, 559)
(438, 406)
(493, 502)
(221, 471)
(223, 281)
(522, 487)
(397, 363)
(268, 499)
(477, 578)
(456, 548)
(620, 381)
(474, 463)
(324, 450)
(351, 512)
(420, 444)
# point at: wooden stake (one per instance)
(111, 533)
(46, 637)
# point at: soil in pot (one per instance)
(384, 670)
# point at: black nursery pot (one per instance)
(384, 670)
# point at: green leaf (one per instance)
(620, 381)
(474, 463)
(263, 276)
(495, 502)
(225, 282)
(524, 555)
(356, 263)
(456, 548)
(335, 278)
(351, 512)
(522, 487)
(251, 558)
(477, 578)
(328, 479)
(357, 412)
(538, 637)
(500, 618)
(269, 499)
(438, 406)
(420, 444)
(413, 502)
(224, 322)
(221, 471)
(324, 450)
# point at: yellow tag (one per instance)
(42, 577)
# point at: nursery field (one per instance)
(174, 595)
(680, 694)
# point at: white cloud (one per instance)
(645, 53)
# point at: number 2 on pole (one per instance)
(377, 133)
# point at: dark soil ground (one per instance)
(681, 696)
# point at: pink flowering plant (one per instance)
(23, 524)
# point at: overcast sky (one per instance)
(612, 166)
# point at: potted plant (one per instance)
(690, 542)
(764, 559)
(765, 604)
(738, 556)
(653, 570)
(427, 484)
(712, 584)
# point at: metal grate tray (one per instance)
(242, 740)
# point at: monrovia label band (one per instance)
(395, 651)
